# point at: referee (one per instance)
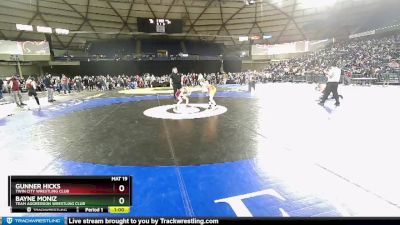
(252, 82)
(332, 84)
(176, 80)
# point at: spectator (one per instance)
(31, 86)
(50, 88)
(64, 84)
(15, 85)
(1, 89)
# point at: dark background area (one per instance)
(141, 67)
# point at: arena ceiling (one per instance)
(214, 20)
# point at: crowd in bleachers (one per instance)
(366, 57)
(371, 57)
(65, 84)
(108, 82)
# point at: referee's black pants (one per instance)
(331, 87)
(252, 84)
(176, 87)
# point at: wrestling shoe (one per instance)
(340, 96)
(212, 106)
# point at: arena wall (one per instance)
(9, 70)
(6, 71)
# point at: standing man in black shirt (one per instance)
(176, 80)
(1, 88)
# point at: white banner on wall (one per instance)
(24, 48)
(10, 48)
(289, 48)
(286, 48)
(24, 51)
(363, 34)
(35, 47)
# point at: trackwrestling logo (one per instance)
(34, 220)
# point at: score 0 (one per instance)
(121, 185)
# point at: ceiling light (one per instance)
(24, 27)
(243, 38)
(44, 29)
(265, 37)
(317, 3)
(62, 31)
(249, 2)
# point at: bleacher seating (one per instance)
(112, 48)
(152, 46)
(203, 48)
(373, 60)
(362, 80)
(389, 78)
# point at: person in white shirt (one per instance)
(332, 84)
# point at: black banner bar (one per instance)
(227, 221)
(78, 209)
(44, 209)
(9, 190)
(131, 191)
(347, 221)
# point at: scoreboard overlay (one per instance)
(74, 194)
